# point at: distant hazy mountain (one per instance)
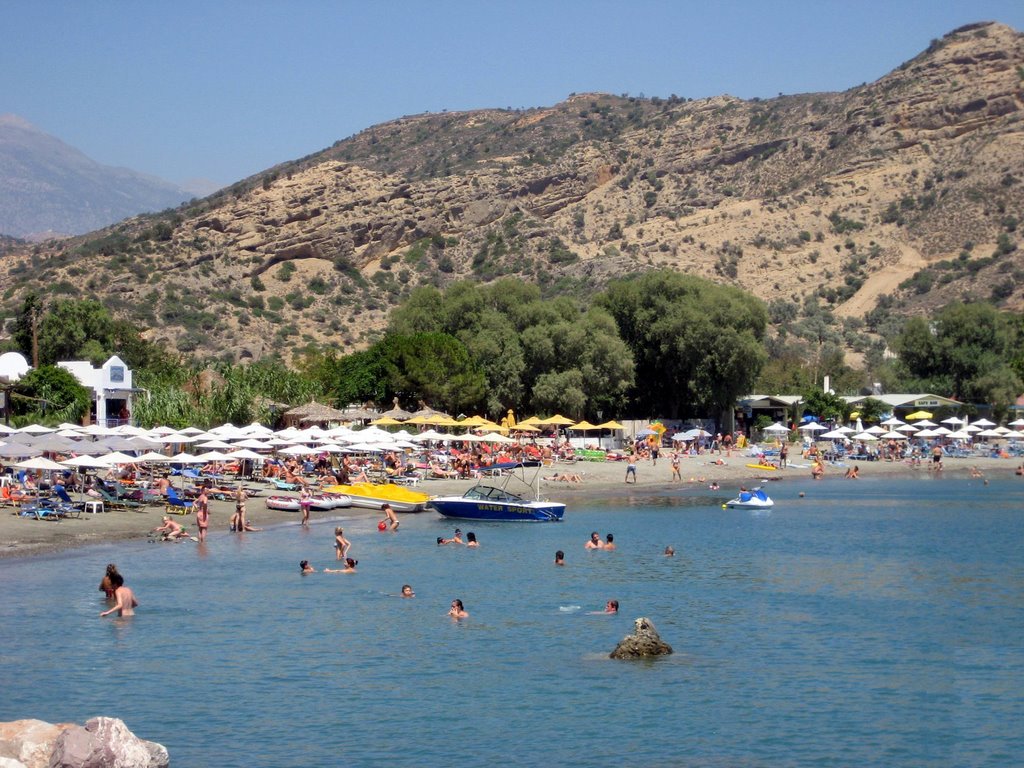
(48, 187)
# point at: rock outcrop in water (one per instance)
(104, 742)
(645, 641)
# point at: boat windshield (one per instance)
(490, 493)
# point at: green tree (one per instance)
(433, 367)
(698, 346)
(49, 395)
(560, 392)
(825, 406)
(74, 329)
(967, 351)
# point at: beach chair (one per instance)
(175, 505)
(72, 508)
(114, 502)
(43, 509)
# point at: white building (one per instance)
(111, 388)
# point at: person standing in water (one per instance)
(390, 516)
(341, 544)
(305, 502)
(106, 584)
(458, 611)
(202, 507)
(126, 602)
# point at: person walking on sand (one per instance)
(631, 467)
(202, 507)
(675, 467)
(783, 454)
(126, 602)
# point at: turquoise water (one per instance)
(869, 623)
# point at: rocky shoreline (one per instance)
(102, 742)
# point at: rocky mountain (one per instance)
(857, 207)
(47, 187)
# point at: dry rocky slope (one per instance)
(843, 196)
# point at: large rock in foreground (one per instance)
(104, 742)
(645, 641)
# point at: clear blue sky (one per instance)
(221, 90)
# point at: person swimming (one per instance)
(594, 542)
(407, 591)
(350, 567)
(458, 611)
(559, 557)
(305, 567)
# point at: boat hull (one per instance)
(461, 508)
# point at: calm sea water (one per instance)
(870, 623)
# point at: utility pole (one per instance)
(35, 337)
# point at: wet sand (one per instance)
(25, 536)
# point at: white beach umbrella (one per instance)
(812, 426)
(245, 453)
(907, 428)
(989, 433)
(215, 445)
(925, 423)
(255, 429)
(297, 450)
(929, 433)
(876, 430)
(845, 430)
(152, 457)
(776, 427)
(116, 457)
(942, 431)
(183, 458)
(834, 434)
(254, 444)
(1016, 423)
(1003, 430)
(211, 456)
(178, 438)
(36, 429)
(983, 423)
(954, 421)
(5, 430)
(14, 450)
(892, 422)
(960, 435)
(87, 462)
(892, 435)
(970, 428)
(430, 434)
(41, 463)
(499, 439)
(867, 436)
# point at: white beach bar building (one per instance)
(111, 388)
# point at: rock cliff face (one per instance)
(104, 742)
(909, 187)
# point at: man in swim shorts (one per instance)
(631, 467)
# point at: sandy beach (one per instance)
(26, 536)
